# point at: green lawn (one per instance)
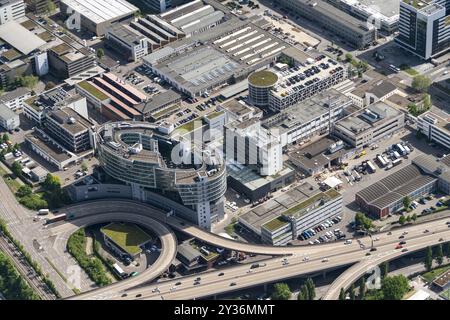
(446, 294)
(433, 274)
(128, 236)
(13, 184)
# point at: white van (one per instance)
(348, 241)
(43, 212)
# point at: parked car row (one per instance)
(327, 236)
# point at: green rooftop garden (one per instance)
(93, 90)
(128, 236)
(275, 224)
(263, 78)
(326, 196)
(213, 115)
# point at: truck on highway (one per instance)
(59, 217)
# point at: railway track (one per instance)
(26, 270)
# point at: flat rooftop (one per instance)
(128, 237)
(252, 180)
(385, 10)
(273, 209)
(20, 38)
(318, 153)
(439, 118)
(100, 11)
(199, 69)
(70, 120)
(374, 115)
(50, 148)
(307, 110)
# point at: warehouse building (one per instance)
(435, 126)
(386, 196)
(358, 33)
(98, 15)
(365, 127)
(198, 71)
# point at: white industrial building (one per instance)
(11, 10)
(435, 126)
(9, 120)
(97, 15)
(14, 99)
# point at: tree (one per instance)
(352, 292)
(384, 269)
(348, 57)
(428, 259)
(439, 255)
(84, 166)
(414, 217)
(301, 295)
(16, 168)
(394, 288)
(49, 85)
(363, 222)
(426, 102)
(402, 220)
(304, 293)
(24, 191)
(29, 82)
(408, 219)
(447, 250)
(52, 183)
(406, 202)
(362, 289)
(421, 83)
(281, 291)
(100, 53)
(311, 289)
(5, 138)
(50, 7)
(342, 294)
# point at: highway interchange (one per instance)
(301, 260)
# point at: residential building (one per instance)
(424, 29)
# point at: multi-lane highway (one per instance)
(300, 260)
(162, 263)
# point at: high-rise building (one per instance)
(424, 27)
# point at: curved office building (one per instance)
(139, 154)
